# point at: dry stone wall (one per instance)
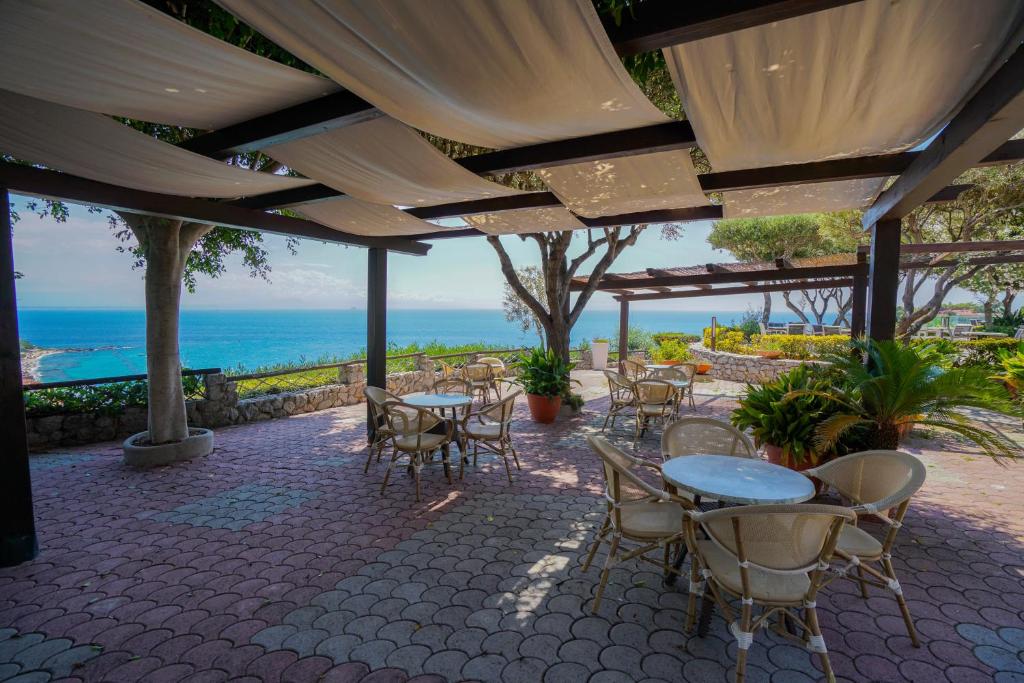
(736, 367)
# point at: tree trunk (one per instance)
(1008, 297)
(166, 244)
(796, 309)
(766, 312)
(886, 436)
(987, 307)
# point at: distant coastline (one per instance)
(30, 359)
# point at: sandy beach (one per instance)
(30, 363)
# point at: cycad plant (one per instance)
(898, 387)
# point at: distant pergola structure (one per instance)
(977, 132)
(785, 275)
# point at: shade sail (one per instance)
(870, 77)
(363, 218)
(124, 58)
(793, 199)
(522, 221)
(488, 72)
(665, 180)
(99, 148)
(385, 162)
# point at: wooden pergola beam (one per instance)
(726, 276)
(744, 289)
(909, 264)
(662, 23)
(949, 247)
(51, 184)
(990, 117)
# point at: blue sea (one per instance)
(105, 343)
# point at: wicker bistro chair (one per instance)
(639, 514)
(382, 432)
(775, 556)
(703, 436)
(414, 435)
(489, 428)
(880, 485)
(684, 372)
(497, 372)
(452, 385)
(655, 402)
(622, 395)
(480, 377)
(633, 369)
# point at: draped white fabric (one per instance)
(811, 198)
(363, 218)
(664, 180)
(494, 73)
(867, 78)
(385, 162)
(124, 58)
(99, 148)
(522, 221)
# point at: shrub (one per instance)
(801, 346)
(104, 399)
(727, 339)
(662, 337)
(637, 339)
(671, 349)
(969, 353)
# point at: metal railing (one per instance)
(102, 394)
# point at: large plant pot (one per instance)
(703, 368)
(543, 409)
(599, 355)
(198, 444)
(774, 455)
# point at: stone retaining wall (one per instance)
(736, 367)
(221, 406)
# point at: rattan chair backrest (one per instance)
(776, 538)
(877, 480)
(618, 384)
(495, 362)
(501, 411)
(704, 436)
(478, 372)
(622, 483)
(654, 391)
(452, 385)
(633, 369)
(408, 420)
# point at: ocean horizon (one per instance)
(106, 342)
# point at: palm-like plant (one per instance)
(899, 387)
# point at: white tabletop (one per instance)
(657, 366)
(747, 481)
(438, 400)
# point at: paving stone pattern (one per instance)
(276, 559)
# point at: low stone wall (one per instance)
(221, 406)
(736, 367)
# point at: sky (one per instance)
(76, 265)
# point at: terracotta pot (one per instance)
(771, 355)
(671, 362)
(703, 368)
(774, 455)
(543, 408)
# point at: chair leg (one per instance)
(504, 459)
(447, 461)
(811, 617)
(691, 601)
(608, 564)
(387, 472)
(416, 473)
(462, 462)
(606, 418)
(741, 652)
(514, 456)
(907, 619)
(597, 542)
(863, 584)
(369, 458)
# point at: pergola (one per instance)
(570, 113)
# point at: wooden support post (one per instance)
(376, 322)
(17, 523)
(883, 279)
(623, 334)
(859, 304)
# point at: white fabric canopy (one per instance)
(866, 78)
(521, 221)
(793, 199)
(363, 218)
(493, 73)
(385, 162)
(99, 148)
(124, 58)
(664, 180)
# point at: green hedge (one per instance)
(801, 346)
(727, 339)
(972, 352)
(106, 399)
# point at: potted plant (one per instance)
(670, 352)
(599, 354)
(899, 385)
(786, 426)
(545, 379)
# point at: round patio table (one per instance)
(657, 366)
(731, 479)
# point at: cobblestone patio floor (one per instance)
(276, 559)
